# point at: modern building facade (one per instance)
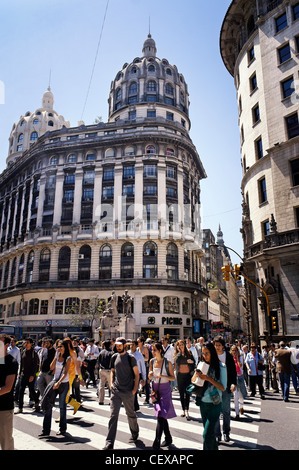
(106, 207)
(259, 45)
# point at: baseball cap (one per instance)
(120, 341)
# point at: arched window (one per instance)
(172, 261)
(72, 158)
(54, 160)
(150, 304)
(34, 136)
(171, 305)
(105, 260)
(33, 307)
(151, 68)
(72, 305)
(150, 260)
(44, 264)
(84, 263)
(64, 260)
(51, 123)
(151, 149)
(168, 72)
(29, 270)
(118, 94)
(127, 261)
(21, 270)
(35, 121)
(21, 138)
(109, 153)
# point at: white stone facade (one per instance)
(263, 56)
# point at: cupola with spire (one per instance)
(149, 82)
(32, 125)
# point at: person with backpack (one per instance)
(124, 384)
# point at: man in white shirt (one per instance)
(13, 350)
(168, 349)
(91, 356)
(141, 367)
(192, 349)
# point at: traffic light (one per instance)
(274, 325)
(226, 272)
(237, 272)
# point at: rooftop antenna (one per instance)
(50, 79)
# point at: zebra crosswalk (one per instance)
(88, 428)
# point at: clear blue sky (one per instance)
(62, 35)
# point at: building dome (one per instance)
(31, 126)
(149, 87)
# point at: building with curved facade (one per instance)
(259, 45)
(107, 207)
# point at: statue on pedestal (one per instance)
(127, 304)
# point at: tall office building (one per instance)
(106, 207)
(259, 45)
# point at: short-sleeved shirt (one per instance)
(8, 366)
(124, 375)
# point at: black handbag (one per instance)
(155, 395)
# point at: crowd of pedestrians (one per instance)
(212, 373)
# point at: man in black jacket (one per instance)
(46, 358)
(226, 358)
(104, 370)
(28, 370)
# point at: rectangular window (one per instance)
(297, 44)
(171, 172)
(284, 53)
(169, 116)
(108, 192)
(129, 172)
(266, 228)
(292, 125)
(150, 171)
(295, 172)
(87, 195)
(287, 87)
(253, 83)
(296, 11)
(132, 115)
(281, 22)
(44, 307)
(262, 190)
(297, 216)
(151, 113)
(108, 174)
(251, 54)
(256, 114)
(150, 190)
(59, 307)
(259, 148)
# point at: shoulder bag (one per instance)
(155, 395)
(49, 395)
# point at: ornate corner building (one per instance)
(259, 45)
(106, 207)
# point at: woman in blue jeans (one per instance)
(210, 403)
(60, 365)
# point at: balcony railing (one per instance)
(275, 240)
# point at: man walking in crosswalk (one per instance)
(125, 380)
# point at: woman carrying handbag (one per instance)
(60, 365)
(161, 374)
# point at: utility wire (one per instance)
(95, 60)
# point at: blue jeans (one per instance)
(225, 410)
(63, 390)
(285, 385)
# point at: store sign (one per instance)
(172, 321)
